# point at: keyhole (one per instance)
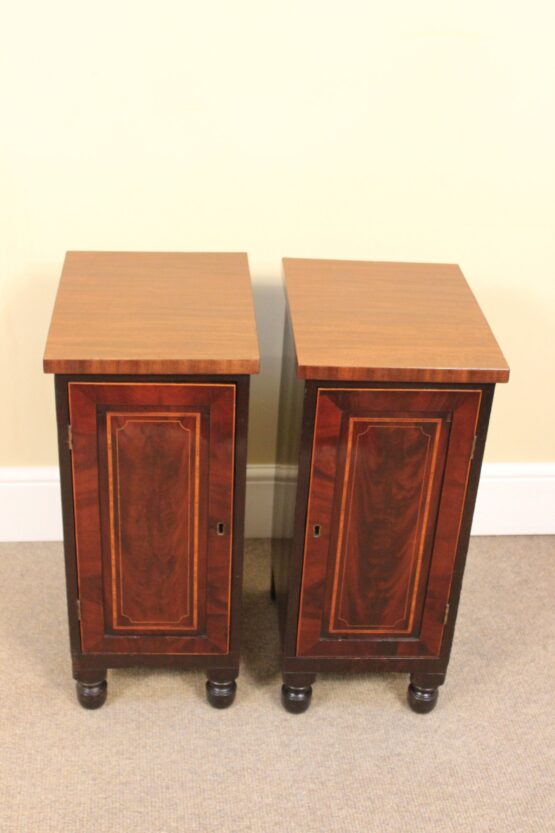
(220, 528)
(316, 529)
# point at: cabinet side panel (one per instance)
(287, 453)
(466, 521)
(66, 482)
(239, 493)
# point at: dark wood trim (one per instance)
(239, 497)
(340, 384)
(466, 522)
(301, 511)
(355, 665)
(204, 661)
(144, 378)
(66, 483)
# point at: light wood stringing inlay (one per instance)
(116, 551)
(344, 527)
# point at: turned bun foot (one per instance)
(421, 700)
(296, 699)
(221, 695)
(92, 695)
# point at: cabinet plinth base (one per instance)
(221, 695)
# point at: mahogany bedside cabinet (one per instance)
(152, 355)
(388, 376)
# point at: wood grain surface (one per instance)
(153, 477)
(399, 322)
(150, 495)
(147, 312)
(387, 489)
(392, 471)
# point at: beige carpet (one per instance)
(158, 759)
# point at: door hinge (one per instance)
(474, 441)
(78, 608)
(69, 438)
(446, 614)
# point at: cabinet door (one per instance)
(153, 495)
(388, 481)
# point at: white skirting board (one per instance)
(513, 499)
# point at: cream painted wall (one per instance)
(402, 131)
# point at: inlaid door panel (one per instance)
(152, 520)
(388, 481)
(153, 492)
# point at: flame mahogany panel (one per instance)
(150, 500)
(387, 488)
(391, 482)
(153, 478)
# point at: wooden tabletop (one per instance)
(398, 322)
(150, 312)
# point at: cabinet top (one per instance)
(153, 312)
(397, 322)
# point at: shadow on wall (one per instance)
(521, 322)
(27, 426)
(269, 302)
